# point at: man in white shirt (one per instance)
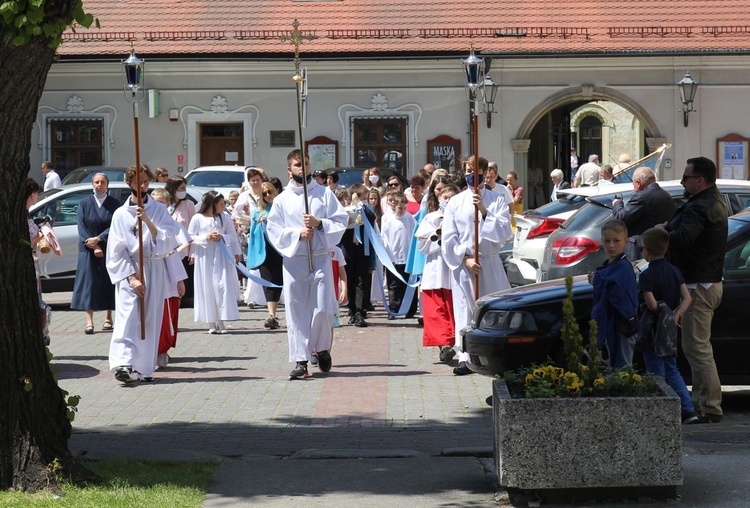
(588, 174)
(51, 178)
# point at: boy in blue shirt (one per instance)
(615, 298)
(663, 282)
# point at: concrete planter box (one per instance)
(574, 443)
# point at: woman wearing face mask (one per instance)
(182, 211)
(93, 290)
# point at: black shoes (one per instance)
(324, 361)
(689, 418)
(709, 418)
(462, 370)
(271, 323)
(300, 371)
(358, 320)
(125, 374)
(447, 354)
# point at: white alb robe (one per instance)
(458, 242)
(126, 346)
(436, 274)
(216, 287)
(309, 297)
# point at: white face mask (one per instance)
(181, 194)
(374, 178)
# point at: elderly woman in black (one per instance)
(93, 290)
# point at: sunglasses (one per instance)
(267, 194)
(392, 185)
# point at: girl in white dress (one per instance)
(216, 285)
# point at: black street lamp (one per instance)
(490, 93)
(687, 87)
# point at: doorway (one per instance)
(381, 143)
(221, 144)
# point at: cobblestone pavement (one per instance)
(229, 395)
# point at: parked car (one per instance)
(86, 174)
(521, 326)
(533, 227)
(223, 179)
(350, 176)
(61, 205)
(575, 249)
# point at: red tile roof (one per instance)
(412, 27)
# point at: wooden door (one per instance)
(222, 144)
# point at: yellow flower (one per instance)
(538, 373)
(624, 375)
(598, 382)
(529, 378)
(637, 378)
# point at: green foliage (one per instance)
(127, 484)
(23, 20)
(582, 376)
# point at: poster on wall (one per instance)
(732, 157)
(444, 152)
(323, 153)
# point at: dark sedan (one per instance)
(521, 326)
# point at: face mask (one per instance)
(100, 195)
(470, 179)
(443, 205)
(181, 194)
(298, 178)
(144, 194)
(373, 178)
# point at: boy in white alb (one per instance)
(308, 294)
(397, 230)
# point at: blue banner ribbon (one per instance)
(243, 270)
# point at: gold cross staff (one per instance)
(296, 38)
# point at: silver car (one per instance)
(575, 247)
(61, 205)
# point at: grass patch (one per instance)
(128, 484)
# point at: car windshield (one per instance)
(215, 178)
(86, 175)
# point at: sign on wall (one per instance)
(444, 152)
(732, 157)
(323, 152)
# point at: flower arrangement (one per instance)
(583, 375)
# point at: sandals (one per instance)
(107, 326)
(89, 330)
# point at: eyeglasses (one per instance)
(392, 185)
(267, 194)
(685, 178)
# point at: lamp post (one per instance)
(490, 92)
(474, 69)
(687, 87)
(132, 69)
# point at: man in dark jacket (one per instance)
(697, 242)
(649, 206)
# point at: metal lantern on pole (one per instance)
(489, 89)
(687, 87)
(474, 70)
(133, 72)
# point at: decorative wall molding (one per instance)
(219, 106)
(74, 109)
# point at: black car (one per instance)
(521, 326)
(350, 176)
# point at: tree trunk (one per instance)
(34, 427)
